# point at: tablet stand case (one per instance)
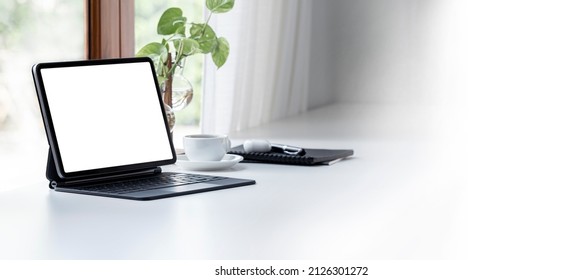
(56, 181)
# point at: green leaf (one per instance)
(176, 43)
(181, 31)
(170, 21)
(189, 46)
(205, 37)
(220, 53)
(151, 50)
(185, 46)
(196, 30)
(157, 52)
(219, 6)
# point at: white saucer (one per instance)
(227, 161)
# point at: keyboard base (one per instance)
(164, 192)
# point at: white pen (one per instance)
(264, 146)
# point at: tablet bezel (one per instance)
(50, 131)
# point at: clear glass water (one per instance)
(182, 92)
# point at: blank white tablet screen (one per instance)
(106, 115)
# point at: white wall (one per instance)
(321, 90)
(376, 50)
(371, 50)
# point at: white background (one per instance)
(507, 77)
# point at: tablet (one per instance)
(103, 116)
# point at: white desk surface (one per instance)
(399, 197)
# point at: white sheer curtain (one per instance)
(267, 73)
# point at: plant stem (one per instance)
(179, 57)
(206, 23)
(168, 84)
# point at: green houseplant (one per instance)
(181, 39)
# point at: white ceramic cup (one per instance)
(206, 147)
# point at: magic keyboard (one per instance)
(163, 180)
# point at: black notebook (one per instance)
(311, 157)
